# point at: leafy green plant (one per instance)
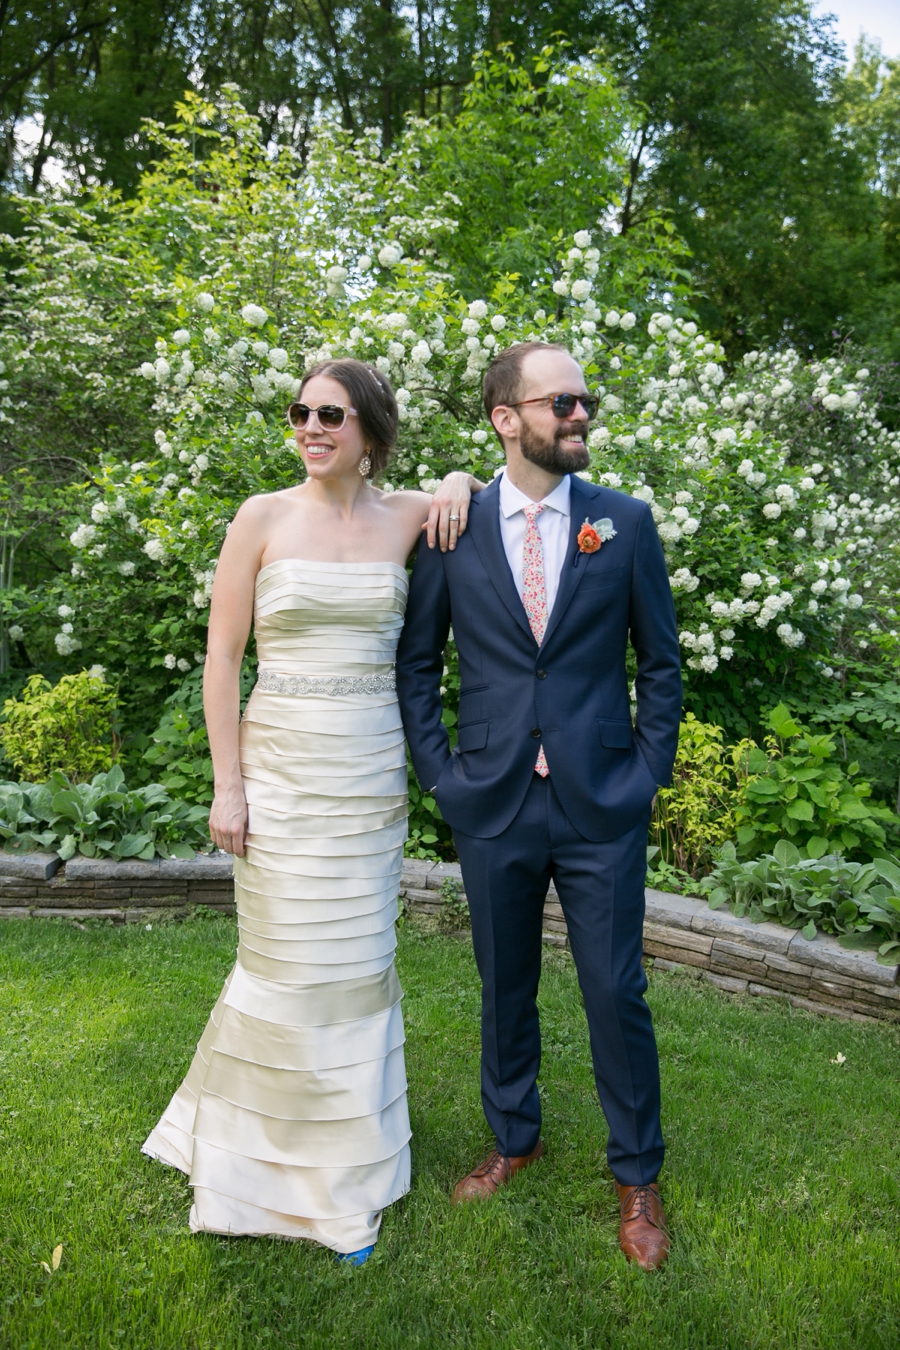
(868, 724)
(100, 819)
(177, 751)
(828, 893)
(68, 727)
(663, 876)
(795, 787)
(696, 814)
(453, 916)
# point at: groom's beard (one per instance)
(550, 454)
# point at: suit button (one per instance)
(542, 674)
(536, 733)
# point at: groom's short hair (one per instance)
(503, 377)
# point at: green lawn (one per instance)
(782, 1182)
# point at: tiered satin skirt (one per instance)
(293, 1118)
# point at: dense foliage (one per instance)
(70, 725)
(774, 488)
(100, 819)
(858, 900)
(777, 164)
(166, 334)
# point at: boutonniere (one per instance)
(590, 537)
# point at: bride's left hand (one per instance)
(449, 510)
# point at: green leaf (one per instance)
(809, 931)
(782, 723)
(67, 848)
(800, 810)
(717, 898)
(130, 845)
(851, 808)
(816, 846)
(786, 853)
(889, 871)
(68, 803)
(180, 850)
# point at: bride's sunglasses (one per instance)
(332, 416)
(563, 405)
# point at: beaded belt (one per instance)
(332, 685)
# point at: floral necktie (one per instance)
(534, 594)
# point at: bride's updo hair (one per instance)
(372, 395)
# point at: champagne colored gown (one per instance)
(292, 1120)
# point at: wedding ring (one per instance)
(453, 517)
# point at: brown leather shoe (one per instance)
(496, 1170)
(642, 1230)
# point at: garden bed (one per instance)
(735, 954)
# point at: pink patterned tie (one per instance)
(534, 594)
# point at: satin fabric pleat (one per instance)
(292, 1120)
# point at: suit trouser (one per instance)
(601, 890)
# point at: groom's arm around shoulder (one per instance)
(654, 637)
(420, 665)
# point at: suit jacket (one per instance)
(569, 694)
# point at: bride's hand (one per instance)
(228, 820)
(450, 510)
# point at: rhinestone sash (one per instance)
(332, 685)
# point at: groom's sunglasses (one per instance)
(332, 416)
(563, 405)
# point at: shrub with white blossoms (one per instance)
(779, 527)
(774, 487)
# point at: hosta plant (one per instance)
(100, 819)
(860, 901)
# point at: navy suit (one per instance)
(585, 826)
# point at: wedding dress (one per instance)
(293, 1118)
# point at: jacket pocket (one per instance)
(472, 737)
(596, 580)
(615, 735)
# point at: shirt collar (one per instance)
(512, 500)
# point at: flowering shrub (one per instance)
(778, 569)
(774, 486)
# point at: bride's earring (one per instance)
(365, 466)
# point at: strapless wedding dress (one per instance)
(293, 1120)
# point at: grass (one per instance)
(782, 1182)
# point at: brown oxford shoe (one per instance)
(642, 1229)
(496, 1170)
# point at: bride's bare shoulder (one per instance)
(407, 503)
(266, 505)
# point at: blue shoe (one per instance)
(356, 1258)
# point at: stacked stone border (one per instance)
(680, 933)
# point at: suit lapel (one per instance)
(580, 505)
(484, 527)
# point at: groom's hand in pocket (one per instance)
(228, 820)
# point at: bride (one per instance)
(292, 1120)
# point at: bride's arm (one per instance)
(449, 510)
(231, 614)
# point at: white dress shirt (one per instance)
(553, 527)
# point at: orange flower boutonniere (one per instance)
(590, 537)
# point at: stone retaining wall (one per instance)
(39, 886)
(760, 959)
(742, 957)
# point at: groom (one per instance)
(549, 780)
